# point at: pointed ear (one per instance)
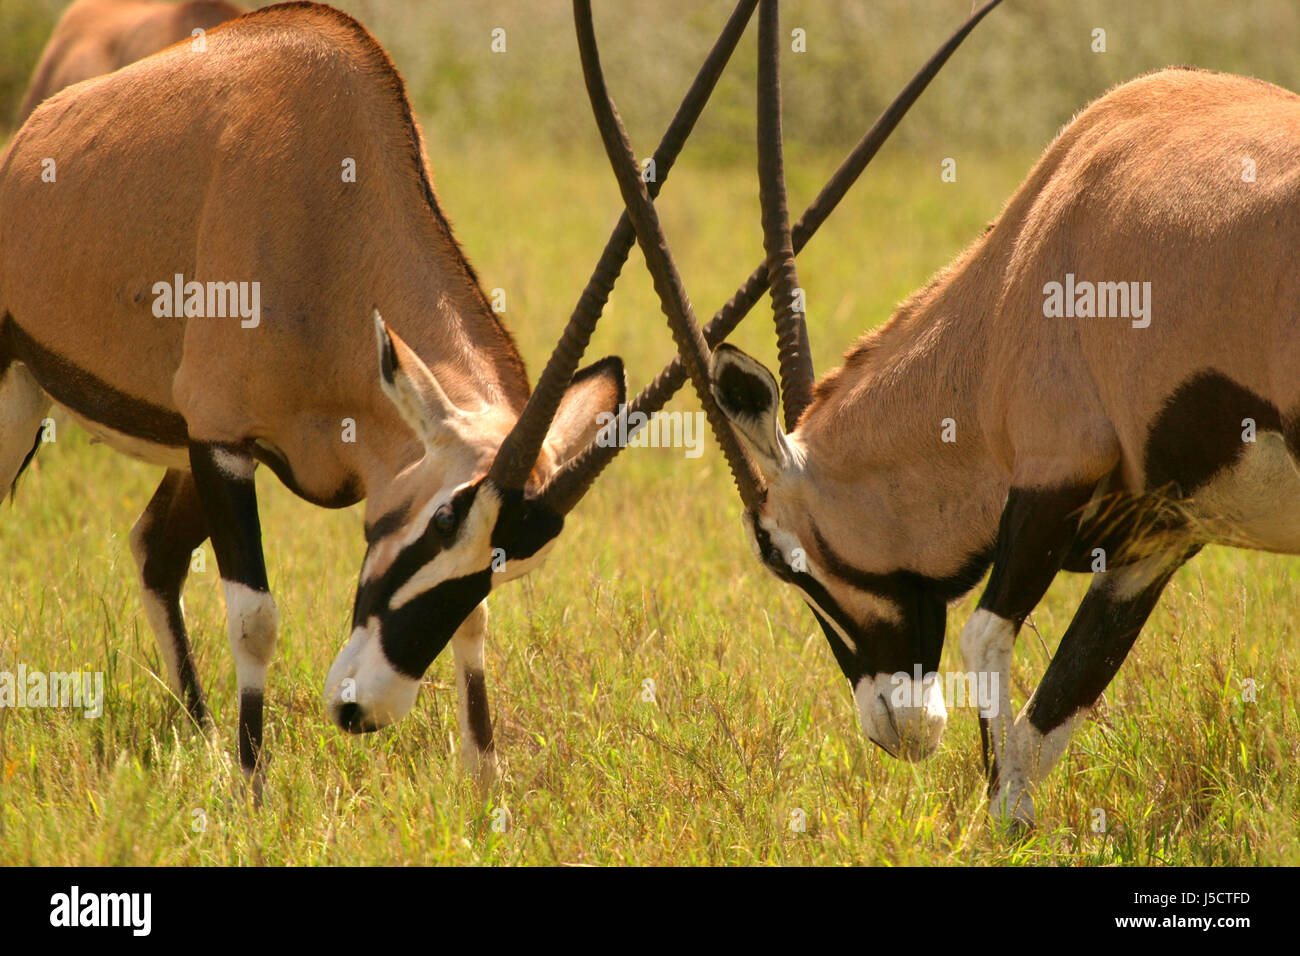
(748, 395)
(593, 396)
(409, 384)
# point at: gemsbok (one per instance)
(222, 204)
(1105, 381)
(94, 37)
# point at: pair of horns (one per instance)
(577, 476)
(515, 459)
(518, 453)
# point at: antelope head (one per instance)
(429, 566)
(473, 512)
(488, 499)
(884, 625)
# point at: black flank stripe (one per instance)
(94, 398)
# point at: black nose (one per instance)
(349, 718)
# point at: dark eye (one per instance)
(445, 521)
(774, 556)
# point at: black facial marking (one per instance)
(524, 525)
(413, 635)
(373, 595)
(386, 524)
(1199, 431)
(882, 646)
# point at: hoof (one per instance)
(1013, 809)
(485, 772)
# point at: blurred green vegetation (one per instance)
(1026, 70)
(653, 577)
(25, 25)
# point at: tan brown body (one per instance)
(983, 424)
(1145, 185)
(94, 37)
(282, 156)
(246, 183)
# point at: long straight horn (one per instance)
(791, 324)
(668, 284)
(518, 453)
(573, 481)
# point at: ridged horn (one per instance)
(575, 479)
(668, 284)
(518, 453)
(791, 324)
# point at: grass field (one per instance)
(752, 720)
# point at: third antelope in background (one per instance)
(94, 37)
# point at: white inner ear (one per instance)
(575, 426)
(581, 416)
(415, 391)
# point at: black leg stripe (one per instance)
(476, 704)
(989, 754)
(1034, 538)
(250, 728)
(230, 505)
(1098, 639)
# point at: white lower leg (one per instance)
(987, 641)
(1039, 752)
(22, 407)
(251, 624)
(156, 611)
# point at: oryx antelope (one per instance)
(457, 462)
(94, 37)
(223, 168)
(1134, 431)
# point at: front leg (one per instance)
(477, 746)
(1034, 537)
(223, 475)
(1099, 637)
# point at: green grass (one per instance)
(652, 579)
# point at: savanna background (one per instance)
(652, 578)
